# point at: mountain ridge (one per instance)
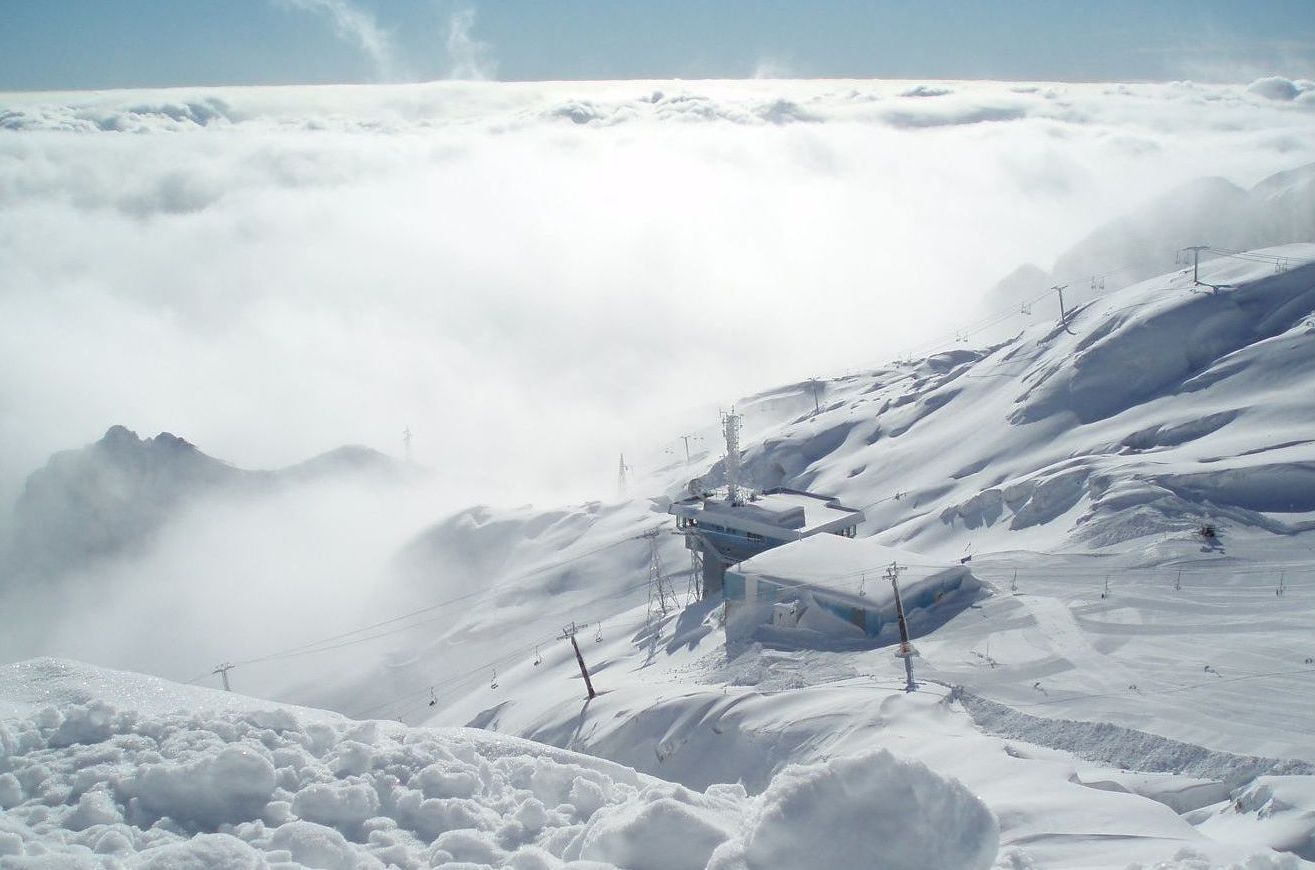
(111, 496)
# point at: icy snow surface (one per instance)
(97, 784)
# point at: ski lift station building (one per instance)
(823, 580)
(727, 530)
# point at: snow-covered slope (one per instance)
(1163, 716)
(1161, 406)
(104, 778)
(1167, 406)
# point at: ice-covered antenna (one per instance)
(730, 424)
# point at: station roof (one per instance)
(846, 567)
(783, 514)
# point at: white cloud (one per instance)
(357, 26)
(533, 277)
(292, 269)
(1279, 88)
(468, 58)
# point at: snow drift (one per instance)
(254, 785)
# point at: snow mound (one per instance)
(874, 807)
(1190, 859)
(1278, 811)
(93, 784)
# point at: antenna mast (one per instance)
(730, 423)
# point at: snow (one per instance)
(1102, 726)
(911, 817)
(783, 513)
(99, 785)
(854, 569)
(1276, 810)
(1128, 694)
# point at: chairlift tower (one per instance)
(694, 591)
(906, 650)
(621, 470)
(1063, 315)
(223, 670)
(687, 439)
(1196, 261)
(661, 597)
(568, 633)
(817, 386)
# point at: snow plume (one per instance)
(468, 58)
(357, 26)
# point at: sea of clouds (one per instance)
(530, 275)
(533, 277)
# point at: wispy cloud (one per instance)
(1222, 58)
(468, 58)
(357, 26)
(773, 68)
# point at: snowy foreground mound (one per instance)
(93, 785)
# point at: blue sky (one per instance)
(124, 43)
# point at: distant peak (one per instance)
(122, 438)
(170, 440)
(119, 435)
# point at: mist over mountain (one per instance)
(1278, 210)
(110, 497)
